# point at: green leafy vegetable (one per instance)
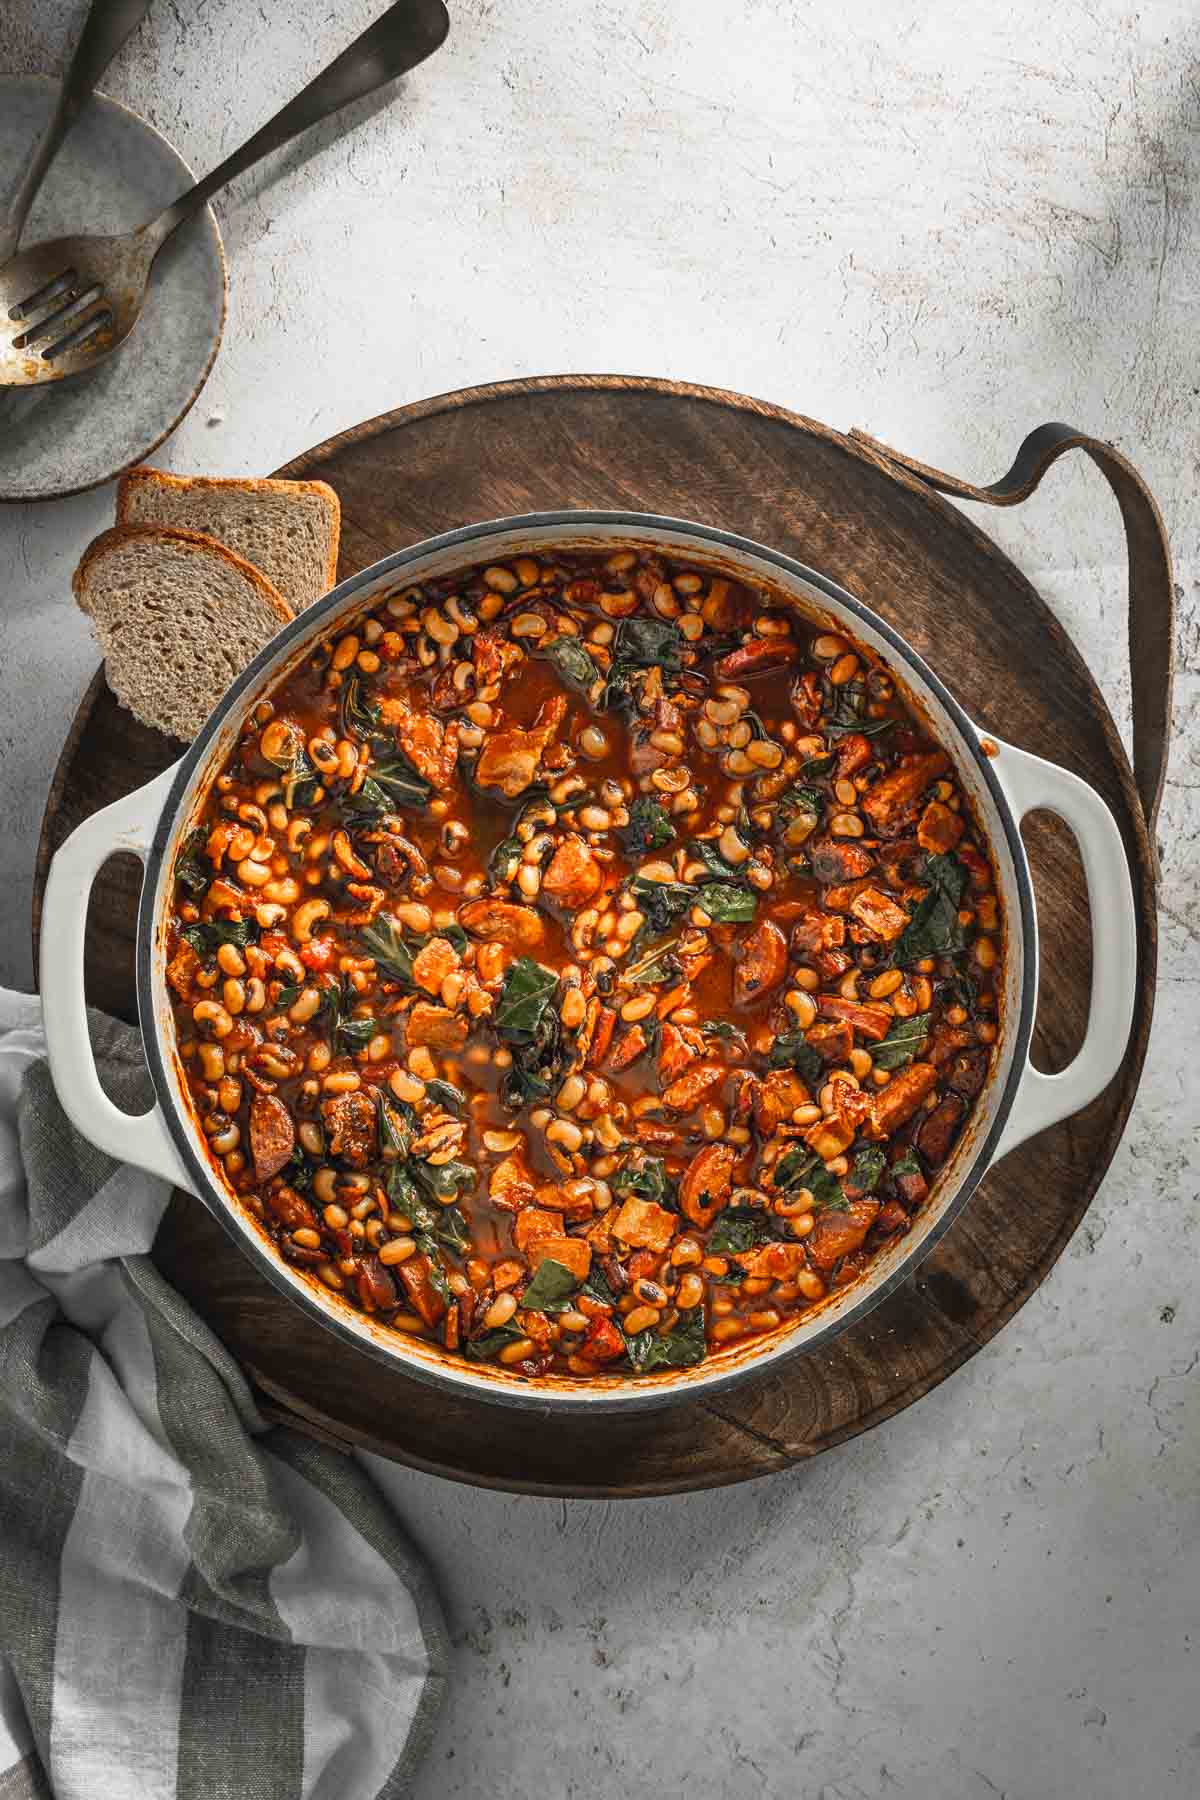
(392, 786)
(728, 905)
(648, 1179)
(817, 767)
(934, 929)
(663, 902)
(722, 1028)
(447, 1095)
(849, 714)
(439, 1281)
(356, 1034)
(503, 862)
(704, 850)
(447, 1180)
(359, 716)
(193, 871)
(658, 965)
(649, 644)
(489, 1346)
(738, 1229)
(960, 990)
(826, 1190)
(552, 1289)
(209, 936)
(790, 1051)
(527, 992)
(384, 940)
(649, 827)
(300, 778)
(905, 1039)
(867, 1170)
(908, 1164)
(792, 1168)
(675, 1349)
(597, 1288)
(393, 1138)
(453, 1230)
(572, 664)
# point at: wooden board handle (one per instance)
(1151, 587)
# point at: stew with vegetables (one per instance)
(585, 965)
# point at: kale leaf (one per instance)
(679, 1348)
(552, 1289)
(210, 935)
(740, 1228)
(649, 827)
(790, 1051)
(905, 1039)
(572, 663)
(193, 871)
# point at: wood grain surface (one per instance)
(755, 469)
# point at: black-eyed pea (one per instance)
(230, 960)
(215, 1016)
(307, 916)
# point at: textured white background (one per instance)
(943, 223)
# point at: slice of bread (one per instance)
(178, 617)
(288, 529)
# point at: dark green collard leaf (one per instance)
(850, 714)
(801, 799)
(867, 1170)
(300, 779)
(649, 827)
(384, 940)
(403, 1194)
(648, 1179)
(208, 937)
(723, 1029)
(552, 1289)
(790, 1051)
(680, 1348)
(658, 965)
(738, 1229)
(649, 643)
(960, 990)
(817, 767)
(356, 1034)
(792, 1167)
(447, 1095)
(728, 905)
(393, 1137)
(572, 664)
(393, 785)
(905, 1039)
(453, 1230)
(597, 1288)
(488, 1347)
(704, 850)
(360, 716)
(663, 902)
(801, 1168)
(448, 1181)
(948, 874)
(193, 871)
(527, 992)
(934, 929)
(504, 860)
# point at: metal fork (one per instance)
(67, 303)
(105, 29)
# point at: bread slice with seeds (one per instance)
(288, 529)
(178, 616)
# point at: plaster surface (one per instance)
(943, 224)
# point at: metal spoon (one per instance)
(67, 303)
(105, 29)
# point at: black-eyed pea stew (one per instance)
(585, 965)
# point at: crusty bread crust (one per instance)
(121, 534)
(144, 476)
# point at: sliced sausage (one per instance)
(272, 1135)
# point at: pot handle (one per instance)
(1043, 1100)
(127, 824)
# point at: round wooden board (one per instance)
(752, 468)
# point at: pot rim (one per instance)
(640, 1393)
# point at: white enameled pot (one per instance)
(1004, 784)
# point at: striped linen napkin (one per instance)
(192, 1606)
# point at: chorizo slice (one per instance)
(501, 922)
(760, 963)
(435, 1027)
(707, 1183)
(895, 1104)
(694, 1086)
(272, 1135)
(837, 1234)
(574, 876)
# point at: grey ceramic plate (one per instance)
(113, 172)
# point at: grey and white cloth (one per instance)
(192, 1606)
